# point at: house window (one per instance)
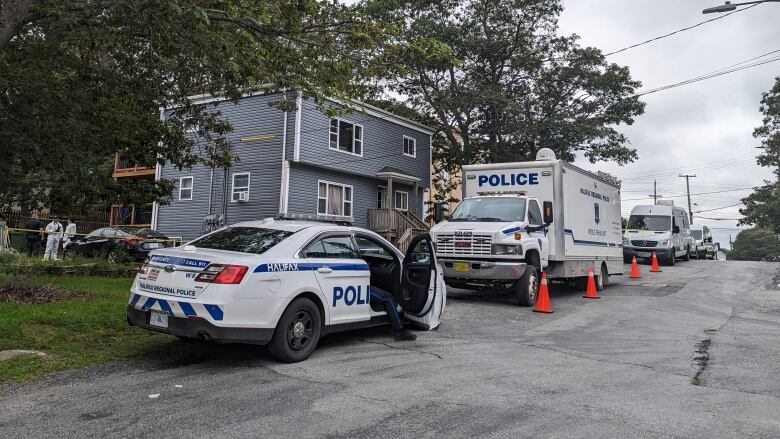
(381, 198)
(185, 188)
(410, 146)
(402, 200)
(346, 136)
(240, 190)
(334, 199)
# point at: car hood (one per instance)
(501, 228)
(647, 235)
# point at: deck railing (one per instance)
(394, 224)
(123, 167)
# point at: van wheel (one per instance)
(672, 259)
(526, 289)
(297, 332)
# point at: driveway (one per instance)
(690, 352)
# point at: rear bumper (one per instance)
(641, 252)
(200, 328)
(483, 270)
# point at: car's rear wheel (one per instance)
(297, 332)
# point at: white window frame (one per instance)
(344, 200)
(414, 146)
(338, 136)
(233, 185)
(395, 200)
(191, 188)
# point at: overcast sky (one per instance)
(703, 128)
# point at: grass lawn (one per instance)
(76, 333)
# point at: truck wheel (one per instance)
(602, 280)
(297, 332)
(527, 287)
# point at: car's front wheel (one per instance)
(297, 332)
(69, 254)
(527, 287)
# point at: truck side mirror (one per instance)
(676, 229)
(439, 212)
(547, 216)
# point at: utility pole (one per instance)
(655, 192)
(688, 187)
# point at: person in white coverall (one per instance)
(54, 230)
(70, 232)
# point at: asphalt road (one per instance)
(691, 352)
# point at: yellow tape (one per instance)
(13, 229)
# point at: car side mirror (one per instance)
(547, 216)
(676, 229)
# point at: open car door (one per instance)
(423, 294)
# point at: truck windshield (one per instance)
(696, 234)
(499, 209)
(658, 223)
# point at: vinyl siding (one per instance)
(251, 116)
(304, 181)
(383, 145)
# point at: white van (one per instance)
(663, 229)
(703, 247)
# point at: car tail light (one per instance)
(145, 266)
(132, 242)
(222, 274)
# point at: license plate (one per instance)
(159, 319)
(153, 245)
(153, 274)
(643, 255)
(462, 266)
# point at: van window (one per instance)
(534, 214)
(658, 223)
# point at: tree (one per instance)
(756, 244)
(762, 207)
(82, 79)
(501, 83)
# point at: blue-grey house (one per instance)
(369, 168)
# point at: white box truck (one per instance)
(517, 219)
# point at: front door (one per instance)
(343, 276)
(423, 294)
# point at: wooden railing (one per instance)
(394, 224)
(126, 168)
(131, 216)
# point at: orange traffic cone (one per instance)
(591, 292)
(543, 301)
(654, 268)
(635, 274)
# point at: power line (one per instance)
(706, 76)
(718, 208)
(678, 31)
(685, 195)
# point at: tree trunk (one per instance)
(13, 15)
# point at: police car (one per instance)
(284, 284)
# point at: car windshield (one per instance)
(503, 209)
(658, 223)
(242, 239)
(696, 234)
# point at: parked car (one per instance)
(113, 244)
(663, 229)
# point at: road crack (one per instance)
(399, 348)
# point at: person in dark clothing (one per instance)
(34, 238)
(382, 297)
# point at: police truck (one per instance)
(519, 219)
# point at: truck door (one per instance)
(535, 219)
(343, 276)
(422, 285)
